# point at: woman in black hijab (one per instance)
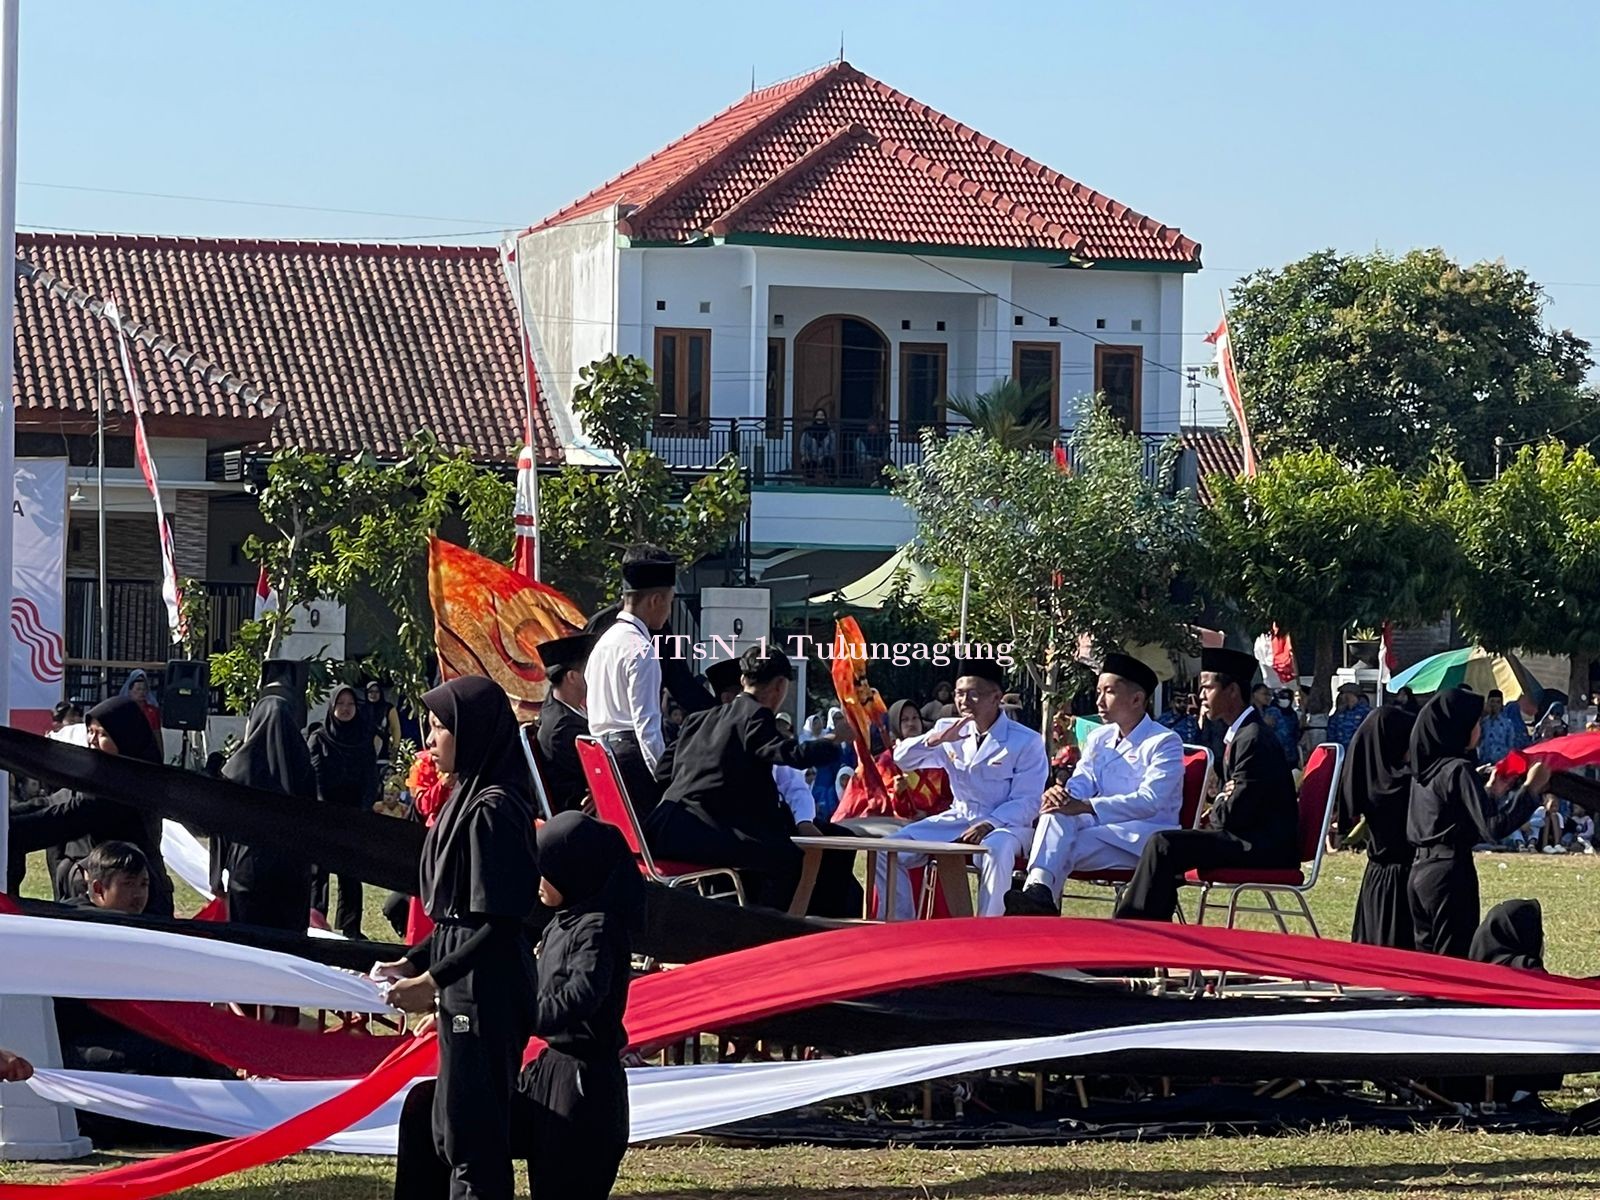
(1376, 788)
(346, 765)
(1451, 811)
(480, 879)
(266, 886)
(1512, 935)
(83, 821)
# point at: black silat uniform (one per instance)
(1376, 788)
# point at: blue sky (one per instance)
(1264, 130)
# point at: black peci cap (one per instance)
(982, 668)
(566, 653)
(724, 676)
(1235, 664)
(1125, 666)
(644, 576)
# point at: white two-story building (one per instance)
(829, 250)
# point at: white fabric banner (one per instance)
(48, 957)
(189, 860)
(666, 1101)
(38, 600)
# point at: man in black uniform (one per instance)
(1254, 822)
(563, 719)
(722, 808)
(676, 676)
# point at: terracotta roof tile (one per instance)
(361, 345)
(780, 162)
(1216, 453)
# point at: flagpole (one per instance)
(8, 300)
(527, 413)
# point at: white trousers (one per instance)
(994, 868)
(1063, 844)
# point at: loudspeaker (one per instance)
(186, 695)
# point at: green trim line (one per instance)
(790, 489)
(755, 545)
(1053, 258)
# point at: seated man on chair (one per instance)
(1127, 786)
(1254, 821)
(563, 719)
(722, 808)
(997, 770)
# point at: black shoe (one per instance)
(1034, 900)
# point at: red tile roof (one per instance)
(1216, 452)
(837, 155)
(360, 345)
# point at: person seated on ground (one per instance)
(997, 770)
(722, 807)
(1254, 821)
(78, 822)
(14, 1068)
(118, 879)
(1512, 935)
(912, 794)
(1127, 786)
(563, 719)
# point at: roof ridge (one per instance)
(822, 151)
(800, 84)
(1169, 234)
(159, 343)
(1008, 207)
(171, 241)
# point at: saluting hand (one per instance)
(950, 732)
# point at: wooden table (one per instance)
(949, 859)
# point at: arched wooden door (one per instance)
(841, 368)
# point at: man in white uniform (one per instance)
(624, 680)
(997, 770)
(1128, 786)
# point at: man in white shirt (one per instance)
(624, 679)
(1128, 785)
(997, 770)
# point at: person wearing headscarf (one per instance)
(479, 880)
(1450, 811)
(1512, 935)
(137, 688)
(912, 794)
(266, 886)
(1376, 789)
(78, 822)
(346, 765)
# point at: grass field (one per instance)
(1351, 1164)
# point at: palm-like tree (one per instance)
(1009, 414)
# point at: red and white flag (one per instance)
(266, 595)
(1229, 378)
(1386, 658)
(525, 515)
(147, 468)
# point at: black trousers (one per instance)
(347, 918)
(1443, 894)
(1152, 893)
(767, 861)
(644, 793)
(568, 1120)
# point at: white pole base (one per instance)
(33, 1129)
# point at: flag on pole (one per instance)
(147, 468)
(1060, 456)
(1229, 379)
(266, 595)
(525, 557)
(1386, 658)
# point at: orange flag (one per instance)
(862, 705)
(488, 620)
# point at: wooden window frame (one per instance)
(908, 431)
(1100, 353)
(683, 420)
(1054, 349)
(779, 347)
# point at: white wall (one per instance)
(833, 518)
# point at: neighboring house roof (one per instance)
(359, 345)
(1216, 452)
(836, 156)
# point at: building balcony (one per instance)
(778, 453)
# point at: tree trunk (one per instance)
(1325, 660)
(1578, 684)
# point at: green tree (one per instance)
(1053, 558)
(1531, 542)
(1388, 361)
(1008, 414)
(1320, 547)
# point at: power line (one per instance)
(349, 212)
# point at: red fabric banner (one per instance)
(1559, 754)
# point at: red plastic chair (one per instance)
(611, 805)
(1196, 767)
(1318, 786)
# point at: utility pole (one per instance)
(100, 497)
(1499, 450)
(1194, 397)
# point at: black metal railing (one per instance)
(842, 454)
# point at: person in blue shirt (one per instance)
(1347, 717)
(1503, 730)
(1288, 725)
(1179, 717)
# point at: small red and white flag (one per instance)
(1229, 378)
(266, 595)
(525, 515)
(147, 468)
(1386, 658)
